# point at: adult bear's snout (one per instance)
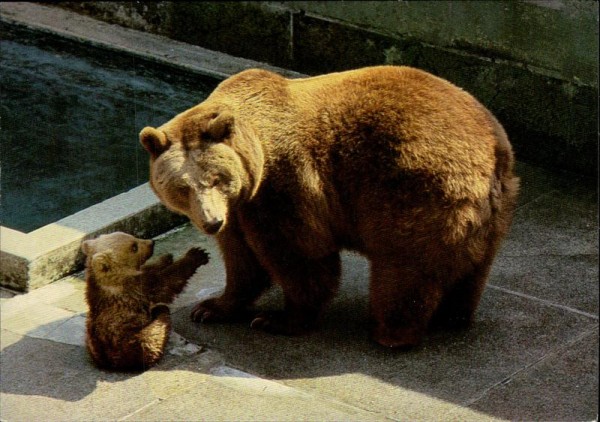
(213, 227)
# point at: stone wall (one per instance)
(533, 63)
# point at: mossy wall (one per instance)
(533, 63)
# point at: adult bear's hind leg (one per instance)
(461, 299)
(458, 307)
(401, 303)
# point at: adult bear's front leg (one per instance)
(308, 286)
(246, 281)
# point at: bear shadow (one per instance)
(52, 361)
(341, 346)
(509, 334)
(34, 366)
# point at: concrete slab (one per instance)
(72, 389)
(551, 252)
(70, 331)
(567, 281)
(50, 294)
(75, 300)
(8, 338)
(561, 222)
(36, 320)
(46, 380)
(511, 333)
(49, 253)
(247, 397)
(538, 392)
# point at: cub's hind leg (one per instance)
(154, 337)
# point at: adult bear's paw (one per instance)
(280, 322)
(218, 310)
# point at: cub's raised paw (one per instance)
(199, 255)
(166, 259)
(159, 262)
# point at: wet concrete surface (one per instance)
(70, 117)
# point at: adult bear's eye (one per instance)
(182, 190)
(134, 248)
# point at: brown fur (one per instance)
(392, 162)
(128, 322)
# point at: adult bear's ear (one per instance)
(101, 263)
(219, 127)
(155, 141)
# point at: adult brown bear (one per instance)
(392, 162)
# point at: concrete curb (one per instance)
(31, 260)
(147, 46)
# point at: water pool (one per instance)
(70, 116)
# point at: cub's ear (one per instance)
(155, 141)
(101, 263)
(87, 247)
(220, 127)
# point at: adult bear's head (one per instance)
(202, 163)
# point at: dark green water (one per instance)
(70, 118)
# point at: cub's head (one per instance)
(202, 163)
(116, 253)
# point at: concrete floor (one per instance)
(531, 355)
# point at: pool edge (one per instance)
(147, 46)
(31, 260)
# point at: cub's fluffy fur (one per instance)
(128, 322)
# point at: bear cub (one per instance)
(128, 322)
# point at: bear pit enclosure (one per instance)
(532, 353)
